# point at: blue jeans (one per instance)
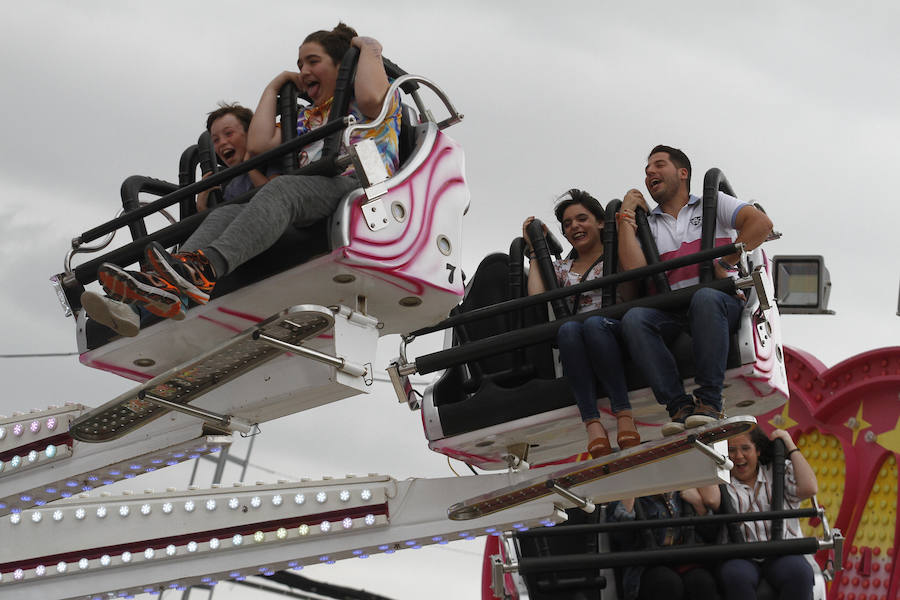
(590, 353)
(711, 318)
(790, 576)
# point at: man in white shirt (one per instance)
(676, 225)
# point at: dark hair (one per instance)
(576, 196)
(335, 42)
(241, 113)
(763, 444)
(678, 158)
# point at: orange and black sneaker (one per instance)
(190, 272)
(156, 294)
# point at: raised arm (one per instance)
(263, 135)
(711, 496)
(371, 80)
(807, 486)
(630, 254)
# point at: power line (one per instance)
(40, 355)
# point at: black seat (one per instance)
(575, 584)
(296, 246)
(495, 390)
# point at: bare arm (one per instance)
(692, 497)
(630, 254)
(263, 135)
(807, 486)
(711, 496)
(371, 80)
(257, 177)
(753, 228)
(203, 197)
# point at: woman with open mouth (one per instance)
(750, 490)
(233, 234)
(589, 350)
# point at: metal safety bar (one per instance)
(800, 513)
(581, 502)
(672, 555)
(581, 288)
(334, 361)
(214, 180)
(227, 421)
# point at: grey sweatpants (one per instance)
(238, 232)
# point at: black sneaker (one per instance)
(677, 423)
(703, 414)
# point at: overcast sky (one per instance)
(796, 102)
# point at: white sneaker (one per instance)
(703, 414)
(118, 316)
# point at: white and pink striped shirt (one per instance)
(758, 498)
(681, 236)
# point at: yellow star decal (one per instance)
(860, 423)
(783, 420)
(890, 440)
